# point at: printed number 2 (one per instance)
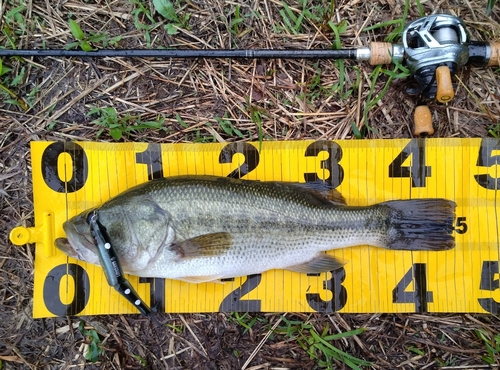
(233, 301)
(251, 158)
(420, 296)
(418, 171)
(489, 283)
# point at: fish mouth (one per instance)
(74, 242)
(65, 246)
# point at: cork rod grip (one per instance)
(380, 53)
(495, 54)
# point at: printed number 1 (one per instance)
(152, 158)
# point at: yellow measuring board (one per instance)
(69, 178)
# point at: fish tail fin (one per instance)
(421, 224)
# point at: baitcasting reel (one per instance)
(436, 47)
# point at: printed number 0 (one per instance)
(50, 171)
(51, 289)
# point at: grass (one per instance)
(319, 344)
(120, 125)
(175, 18)
(86, 41)
(399, 22)
(398, 71)
(95, 348)
(492, 346)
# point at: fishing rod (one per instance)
(434, 48)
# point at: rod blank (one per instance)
(187, 53)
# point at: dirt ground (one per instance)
(221, 100)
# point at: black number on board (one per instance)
(79, 170)
(461, 226)
(486, 159)
(339, 292)
(489, 282)
(417, 171)
(157, 293)
(52, 288)
(417, 275)
(151, 157)
(336, 172)
(251, 154)
(233, 301)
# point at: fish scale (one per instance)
(203, 228)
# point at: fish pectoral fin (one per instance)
(320, 263)
(208, 245)
(201, 279)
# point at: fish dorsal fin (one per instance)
(207, 245)
(320, 263)
(321, 190)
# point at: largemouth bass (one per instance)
(204, 228)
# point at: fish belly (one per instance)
(258, 247)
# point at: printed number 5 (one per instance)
(488, 282)
(461, 227)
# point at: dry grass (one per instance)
(192, 98)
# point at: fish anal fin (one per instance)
(208, 245)
(201, 279)
(320, 263)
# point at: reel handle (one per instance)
(444, 91)
(422, 121)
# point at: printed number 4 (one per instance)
(417, 171)
(419, 296)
